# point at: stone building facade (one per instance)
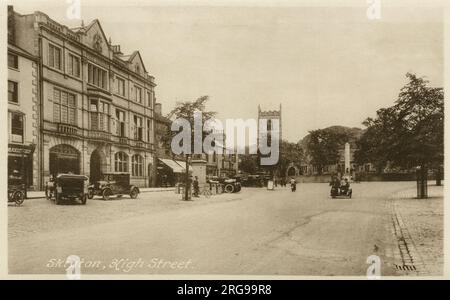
(23, 115)
(96, 103)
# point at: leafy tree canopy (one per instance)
(409, 133)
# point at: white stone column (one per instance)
(347, 158)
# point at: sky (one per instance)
(325, 65)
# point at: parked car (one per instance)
(67, 187)
(255, 180)
(231, 185)
(113, 183)
(16, 188)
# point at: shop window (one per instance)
(21, 168)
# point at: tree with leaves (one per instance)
(186, 110)
(410, 133)
(248, 163)
(289, 153)
(323, 146)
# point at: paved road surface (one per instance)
(253, 232)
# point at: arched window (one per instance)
(121, 162)
(137, 165)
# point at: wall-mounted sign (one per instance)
(21, 149)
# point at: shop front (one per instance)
(64, 159)
(20, 163)
(169, 172)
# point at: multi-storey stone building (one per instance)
(96, 104)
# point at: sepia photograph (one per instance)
(281, 139)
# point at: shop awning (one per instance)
(176, 167)
(182, 164)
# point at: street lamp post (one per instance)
(186, 183)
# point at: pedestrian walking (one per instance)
(293, 184)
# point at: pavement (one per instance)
(419, 228)
(254, 232)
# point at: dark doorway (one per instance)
(64, 159)
(291, 171)
(95, 167)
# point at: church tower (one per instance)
(270, 116)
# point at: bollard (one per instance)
(422, 182)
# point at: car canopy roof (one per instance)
(116, 173)
(71, 176)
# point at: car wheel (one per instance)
(84, 199)
(134, 193)
(106, 194)
(19, 196)
(229, 188)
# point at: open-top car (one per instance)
(113, 183)
(67, 187)
(229, 185)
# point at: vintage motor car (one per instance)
(67, 187)
(255, 180)
(337, 190)
(113, 183)
(231, 185)
(16, 188)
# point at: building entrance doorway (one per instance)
(64, 159)
(95, 171)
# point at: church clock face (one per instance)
(97, 44)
